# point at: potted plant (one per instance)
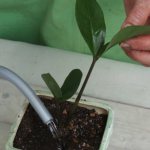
(83, 123)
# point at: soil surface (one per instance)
(83, 132)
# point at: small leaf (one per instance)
(127, 33)
(90, 20)
(71, 84)
(52, 85)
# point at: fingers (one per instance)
(139, 13)
(138, 43)
(140, 56)
(138, 49)
(129, 4)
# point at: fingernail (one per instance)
(125, 45)
(126, 25)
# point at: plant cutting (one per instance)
(80, 127)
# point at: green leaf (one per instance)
(90, 20)
(52, 85)
(127, 33)
(71, 84)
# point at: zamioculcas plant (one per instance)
(91, 23)
(85, 126)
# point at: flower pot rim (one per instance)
(89, 101)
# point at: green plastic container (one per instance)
(87, 102)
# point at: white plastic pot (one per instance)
(87, 102)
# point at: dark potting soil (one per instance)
(83, 132)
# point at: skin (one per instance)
(137, 13)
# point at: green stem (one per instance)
(84, 83)
(72, 109)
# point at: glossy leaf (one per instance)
(127, 33)
(71, 84)
(90, 20)
(52, 85)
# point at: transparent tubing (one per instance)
(36, 103)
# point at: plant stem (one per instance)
(73, 108)
(85, 82)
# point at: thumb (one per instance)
(139, 14)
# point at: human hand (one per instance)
(138, 13)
